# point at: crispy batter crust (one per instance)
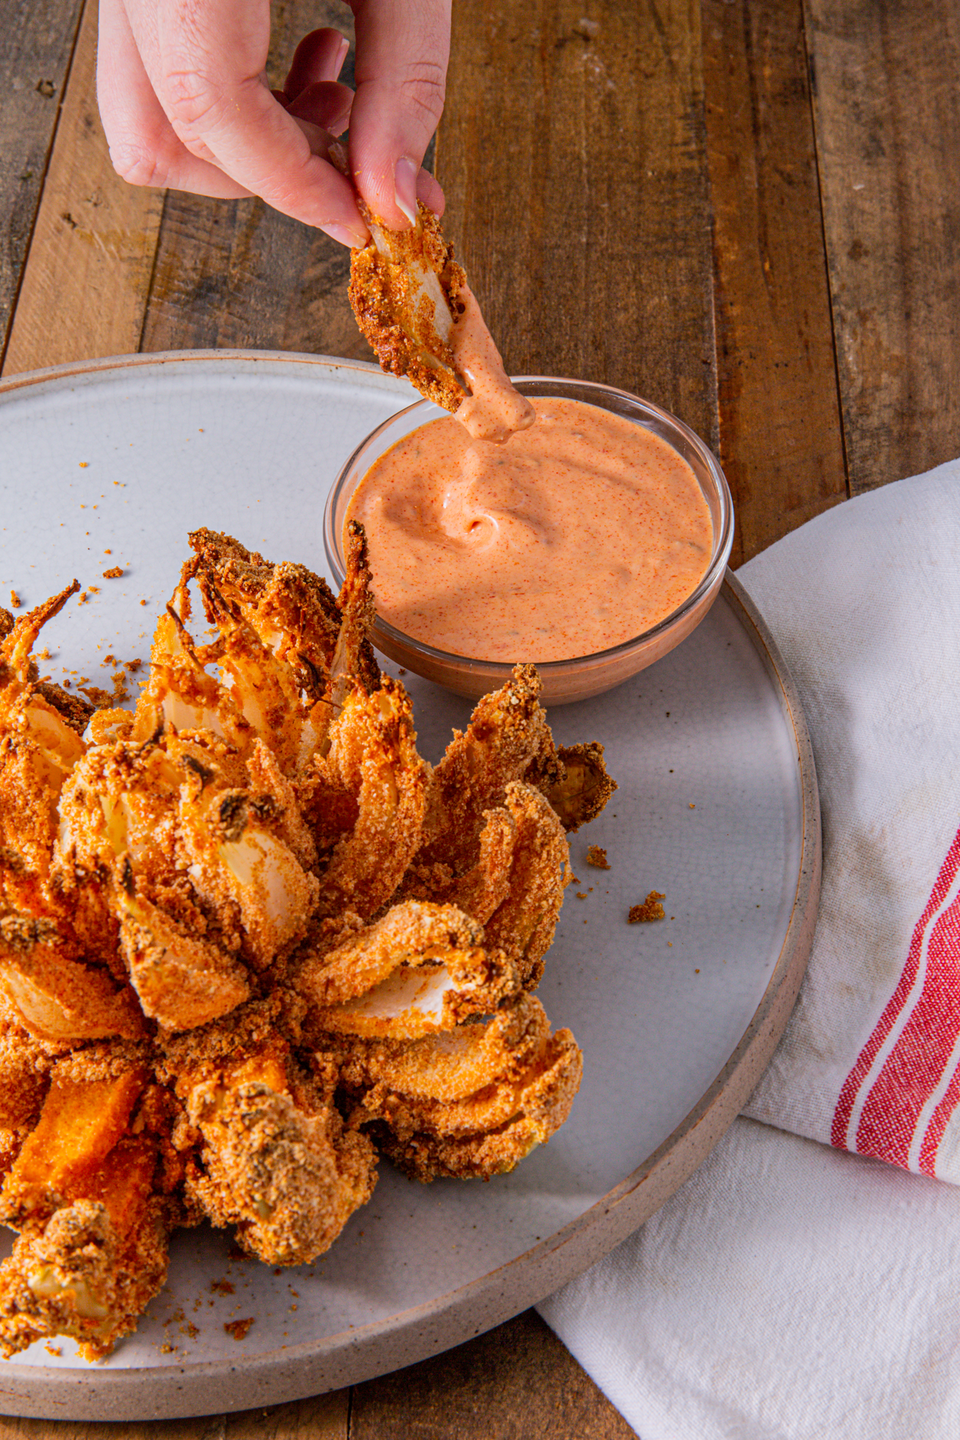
(250, 940)
(404, 286)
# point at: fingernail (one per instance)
(405, 188)
(353, 238)
(341, 56)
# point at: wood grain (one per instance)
(780, 435)
(236, 273)
(38, 41)
(85, 286)
(887, 104)
(323, 1418)
(572, 156)
(516, 1383)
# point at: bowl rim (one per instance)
(711, 578)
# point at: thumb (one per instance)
(400, 71)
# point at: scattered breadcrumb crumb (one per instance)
(223, 1287)
(238, 1328)
(15, 601)
(53, 1349)
(113, 573)
(597, 857)
(98, 697)
(651, 909)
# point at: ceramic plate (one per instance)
(111, 464)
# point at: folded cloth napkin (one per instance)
(789, 1290)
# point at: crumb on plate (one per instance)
(651, 909)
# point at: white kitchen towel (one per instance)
(864, 603)
(789, 1291)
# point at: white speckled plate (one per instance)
(112, 463)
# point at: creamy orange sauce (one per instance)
(573, 536)
(494, 409)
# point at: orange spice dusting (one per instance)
(651, 909)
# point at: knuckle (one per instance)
(191, 99)
(424, 88)
(136, 165)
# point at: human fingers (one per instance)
(323, 103)
(143, 147)
(319, 56)
(428, 190)
(401, 62)
(220, 109)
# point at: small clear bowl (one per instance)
(563, 680)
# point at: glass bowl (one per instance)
(585, 675)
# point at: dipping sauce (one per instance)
(573, 536)
(493, 410)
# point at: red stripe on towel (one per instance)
(914, 1068)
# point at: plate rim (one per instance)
(107, 364)
(360, 1353)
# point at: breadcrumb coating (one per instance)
(250, 941)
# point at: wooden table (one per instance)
(748, 212)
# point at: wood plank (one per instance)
(236, 273)
(572, 156)
(323, 1418)
(887, 107)
(517, 1382)
(88, 271)
(780, 435)
(38, 41)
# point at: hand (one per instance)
(185, 104)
